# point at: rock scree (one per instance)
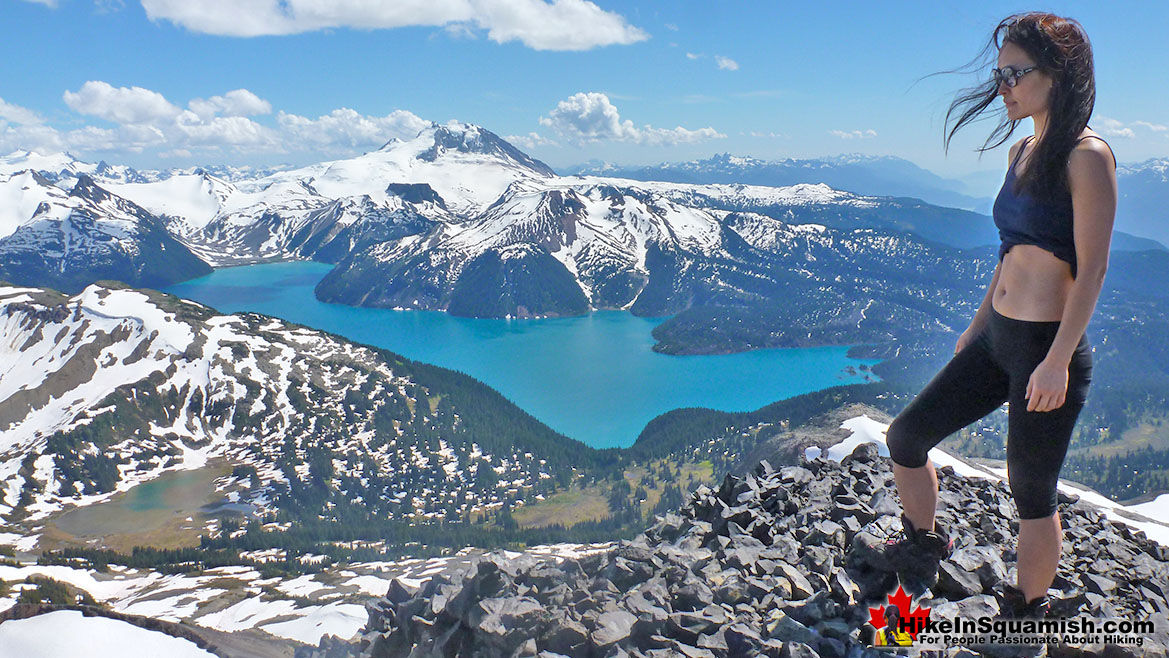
(781, 563)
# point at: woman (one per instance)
(892, 635)
(1026, 344)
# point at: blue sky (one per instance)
(159, 83)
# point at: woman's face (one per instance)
(1030, 94)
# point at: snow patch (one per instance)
(1153, 516)
(68, 633)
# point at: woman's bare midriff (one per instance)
(1033, 285)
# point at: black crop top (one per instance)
(1023, 219)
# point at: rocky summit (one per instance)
(781, 563)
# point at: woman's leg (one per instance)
(969, 387)
(1037, 443)
(1040, 543)
(918, 489)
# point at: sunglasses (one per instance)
(1010, 75)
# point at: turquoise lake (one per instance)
(594, 378)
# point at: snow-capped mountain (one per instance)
(21, 195)
(467, 166)
(566, 246)
(181, 385)
(1141, 214)
(86, 235)
(447, 173)
(52, 166)
(535, 251)
(458, 219)
(351, 224)
(227, 172)
(861, 174)
(63, 169)
(188, 201)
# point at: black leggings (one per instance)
(992, 369)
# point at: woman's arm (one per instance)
(1092, 179)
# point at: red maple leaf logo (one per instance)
(912, 621)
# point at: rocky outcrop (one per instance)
(777, 563)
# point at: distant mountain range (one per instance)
(458, 219)
(856, 173)
(73, 238)
(64, 167)
(1142, 213)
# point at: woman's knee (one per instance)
(906, 447)
(1035, 498)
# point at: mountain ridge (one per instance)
(781, 561)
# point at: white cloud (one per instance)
(530, 140)
(693, 55)
(234, 131)
(1113, 128)
(125, 105)
(237, 103)
(558, 25)
(562, 25)
(47, 139)
(1155, 127)
(92, 138)
(1110, 127)
(651, 136)
(44, 139)
(671, 27)
(854, 134)
(135, 136)
(19, 115)
(146, 119)
(765, 134)
(726, 63)
(48, 3)
(345, 129)
(589, 117)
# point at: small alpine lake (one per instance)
(166, 512)
(594, 378)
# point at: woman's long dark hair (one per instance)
(1061, 49)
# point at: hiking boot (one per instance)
(918, 549)
(1016, 606)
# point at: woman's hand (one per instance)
(1047, 389)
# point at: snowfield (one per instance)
(68, 633)
(338, 594)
